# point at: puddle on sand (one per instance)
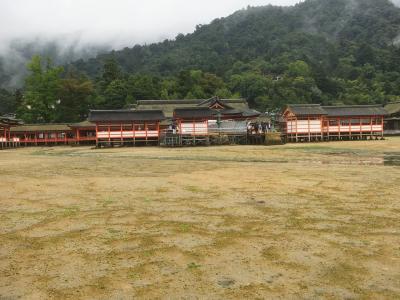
(388, 159)
(392, 160)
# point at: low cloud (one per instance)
(119, 23)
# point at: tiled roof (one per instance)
(336, 111)
(41, 128)
(393, 108)
(168, 106)
(84, 124)
(194, 113)
(306, 109)
(355, 110)
(125, 115)
(9, 120)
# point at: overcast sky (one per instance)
(120, 22)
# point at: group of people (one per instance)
(173, 128)
(258, 128)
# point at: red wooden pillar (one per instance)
(372, 126)
(78, 135)
(134, 133)
(145, 128)
(326, 121)
(158, 131)
(321, 122)
(97, 134)
(109, 132)
(122, 140)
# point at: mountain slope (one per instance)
(312, 29)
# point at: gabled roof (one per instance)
(336, 111)
(231, 111)
(9, 120)
(206, 113)
(194, 113)
(41, 128)
(306, 109)
(215, 102)
(355, 110)
(125, 115)
(251, 113)
(393, 108)
(168, 106)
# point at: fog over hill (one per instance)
(69, 30)
(14, 57)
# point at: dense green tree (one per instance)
(111, 72)
(144, 87)
(7, 102)
(76, 97)
(41, 92)
(115, 95)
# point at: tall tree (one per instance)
(42, 91)
(111, 72)
(115, 95)
(75, 94)
(7, 102)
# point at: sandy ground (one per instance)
(296, 221)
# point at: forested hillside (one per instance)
(319, 51)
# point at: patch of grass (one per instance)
(184, 227)
(70, 211)
(162, 190)
(113, 231)
(147, 242)
(133, 275)
(137, 271)
(147, 200)
(193, 189)
(107, 202)
(193, 266)
(291, 265)
(343, 274)
(100, 283)
(149, 253)
(271, 253)
(227, 238)
(294, 221)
